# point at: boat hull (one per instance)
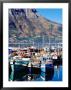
(49, 72)
(57, 62)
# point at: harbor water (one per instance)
(47, 73)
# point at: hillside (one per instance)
(26, 26)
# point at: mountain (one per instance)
(26, 26)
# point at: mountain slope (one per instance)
(26, 25)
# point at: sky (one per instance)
(51, 14)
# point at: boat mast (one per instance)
(43, 41)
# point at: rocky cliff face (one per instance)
(26, 25)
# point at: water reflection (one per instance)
(24, 73)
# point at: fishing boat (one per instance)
(22, 65)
